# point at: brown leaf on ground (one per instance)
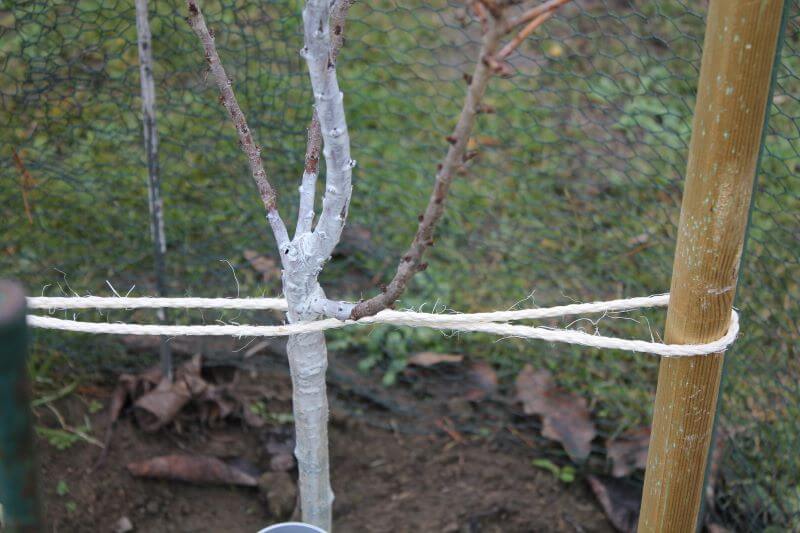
(279, 444)
(161, 405)
(628, 452)
(263, 264)
(484, 380)
(279, 491)
(620, 500)
(192, 469)
(532, 387)
(433, 358)
(571, 426)
(158, 401)
(565, 415)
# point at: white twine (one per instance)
(495, 323)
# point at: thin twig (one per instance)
(522, 35)
(228, 99)
(75, 431)
(527, 16)
(26, 182)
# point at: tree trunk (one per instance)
(308, 359)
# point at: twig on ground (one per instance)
(74, 431)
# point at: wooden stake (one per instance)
(732, 98)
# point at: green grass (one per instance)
(575, 194)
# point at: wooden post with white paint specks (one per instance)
(733, 93)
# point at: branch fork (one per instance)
(304, 255)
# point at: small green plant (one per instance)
(62, 489)
(57, 438)
(259, 409)
(565, 474)
(95, 406)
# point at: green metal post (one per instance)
(19, 488)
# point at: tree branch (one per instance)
(496, 27)
(333, 126)
(523, 34)
(228, 99)
(546, 7)
(305, 215)
(308, 187)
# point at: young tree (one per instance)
(304, 255)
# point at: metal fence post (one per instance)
(19, 488)
(732, 99)
(150, 134)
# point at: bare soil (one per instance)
(440, 451)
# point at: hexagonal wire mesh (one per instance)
(575, 193)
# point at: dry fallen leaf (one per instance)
(620, 500)
(158, 401)
(192, 469)
(279, 444)
(483, 379)
(161, 405)
(433, 358)
(532, 386)
(279, 491)
(565, 415)
(628, 452)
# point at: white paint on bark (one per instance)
(303, 259)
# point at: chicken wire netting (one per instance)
(574, 195)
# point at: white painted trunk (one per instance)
(308, 359)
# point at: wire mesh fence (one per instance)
(574, 194)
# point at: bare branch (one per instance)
(305, 215)
(308, 187)
(535, 12)
(333, 126)
(522, 35)
(228, 99)
(486, 65)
